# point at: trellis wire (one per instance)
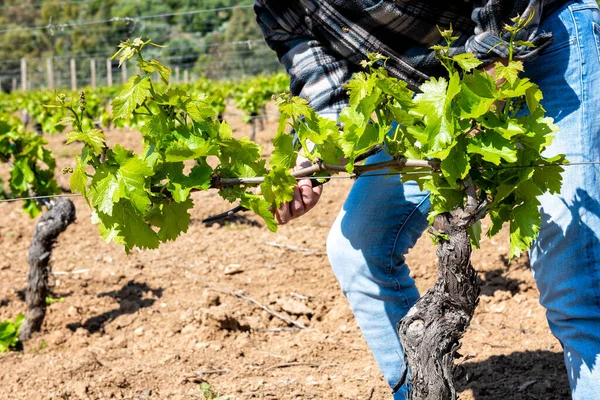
(369, 174)
(123, 19)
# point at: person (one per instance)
(321, 44)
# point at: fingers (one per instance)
(283, 215)
(291, 210)
(310, 195)
(297, 205)
(305, 198)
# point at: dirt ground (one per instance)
(165, 324)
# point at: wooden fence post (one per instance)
(124, 72)
(24, 74)
(177, 70)
(109, 80)
(186, 76)
(49, 74)
(93, 72)
(73, 75)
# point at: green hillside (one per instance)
(217, 38)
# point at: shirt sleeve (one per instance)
(315, 74)
(489, 39)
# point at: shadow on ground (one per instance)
(130, 298)
(235, 219)
(498, 280)
(520, 375)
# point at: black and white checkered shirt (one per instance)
(322, 42)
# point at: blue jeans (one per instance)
(382, 219)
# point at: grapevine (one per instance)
(31, 165)
(31, 168)
(473, 140)
(252, 96)
(456, 120)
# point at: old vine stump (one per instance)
(431, 330)
(60, 214)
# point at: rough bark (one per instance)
(60, 214)
(431, 330)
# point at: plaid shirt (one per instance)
(322, 42)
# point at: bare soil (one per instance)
(159, 324)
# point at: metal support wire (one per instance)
(369, 174)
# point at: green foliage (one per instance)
(189, 37)
(31, 164)
(9, 333)
(53, 300)
(491, 132)
(141, 200)
(486, 133)
(209, 392)
(252, 95)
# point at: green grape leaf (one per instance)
(104, 192)
(180, 185)
(435, 104)
(510, 72)
(79, 178)
(156, 128)
(171, 217)
(128, 50)
(497, 218)
(478, 93)
(127, 226)
(284, 155)
(538, 133)
(9, 333)
(493, 147)
(131, 177)
(155, 66)
(293, 106)
(517, 89)
(125, 179)
(398, 90)
(261, 208)
(359, 88)
(508, 129)
(467, 61)
(189, 149)
(502, 192)
(456, 166)
(475, 234)
(93, 138)
(199, 110)
(278, 187)
(444, 198)
(533, 97)
(548, 177)
(21, 176)
(131, 96)
(524, 227)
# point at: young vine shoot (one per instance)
(470, 127)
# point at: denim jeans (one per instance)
(382, 219)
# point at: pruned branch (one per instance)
(397, 164)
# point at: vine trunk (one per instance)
(60, 214)
(431, 331)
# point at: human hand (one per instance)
(305, 197)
